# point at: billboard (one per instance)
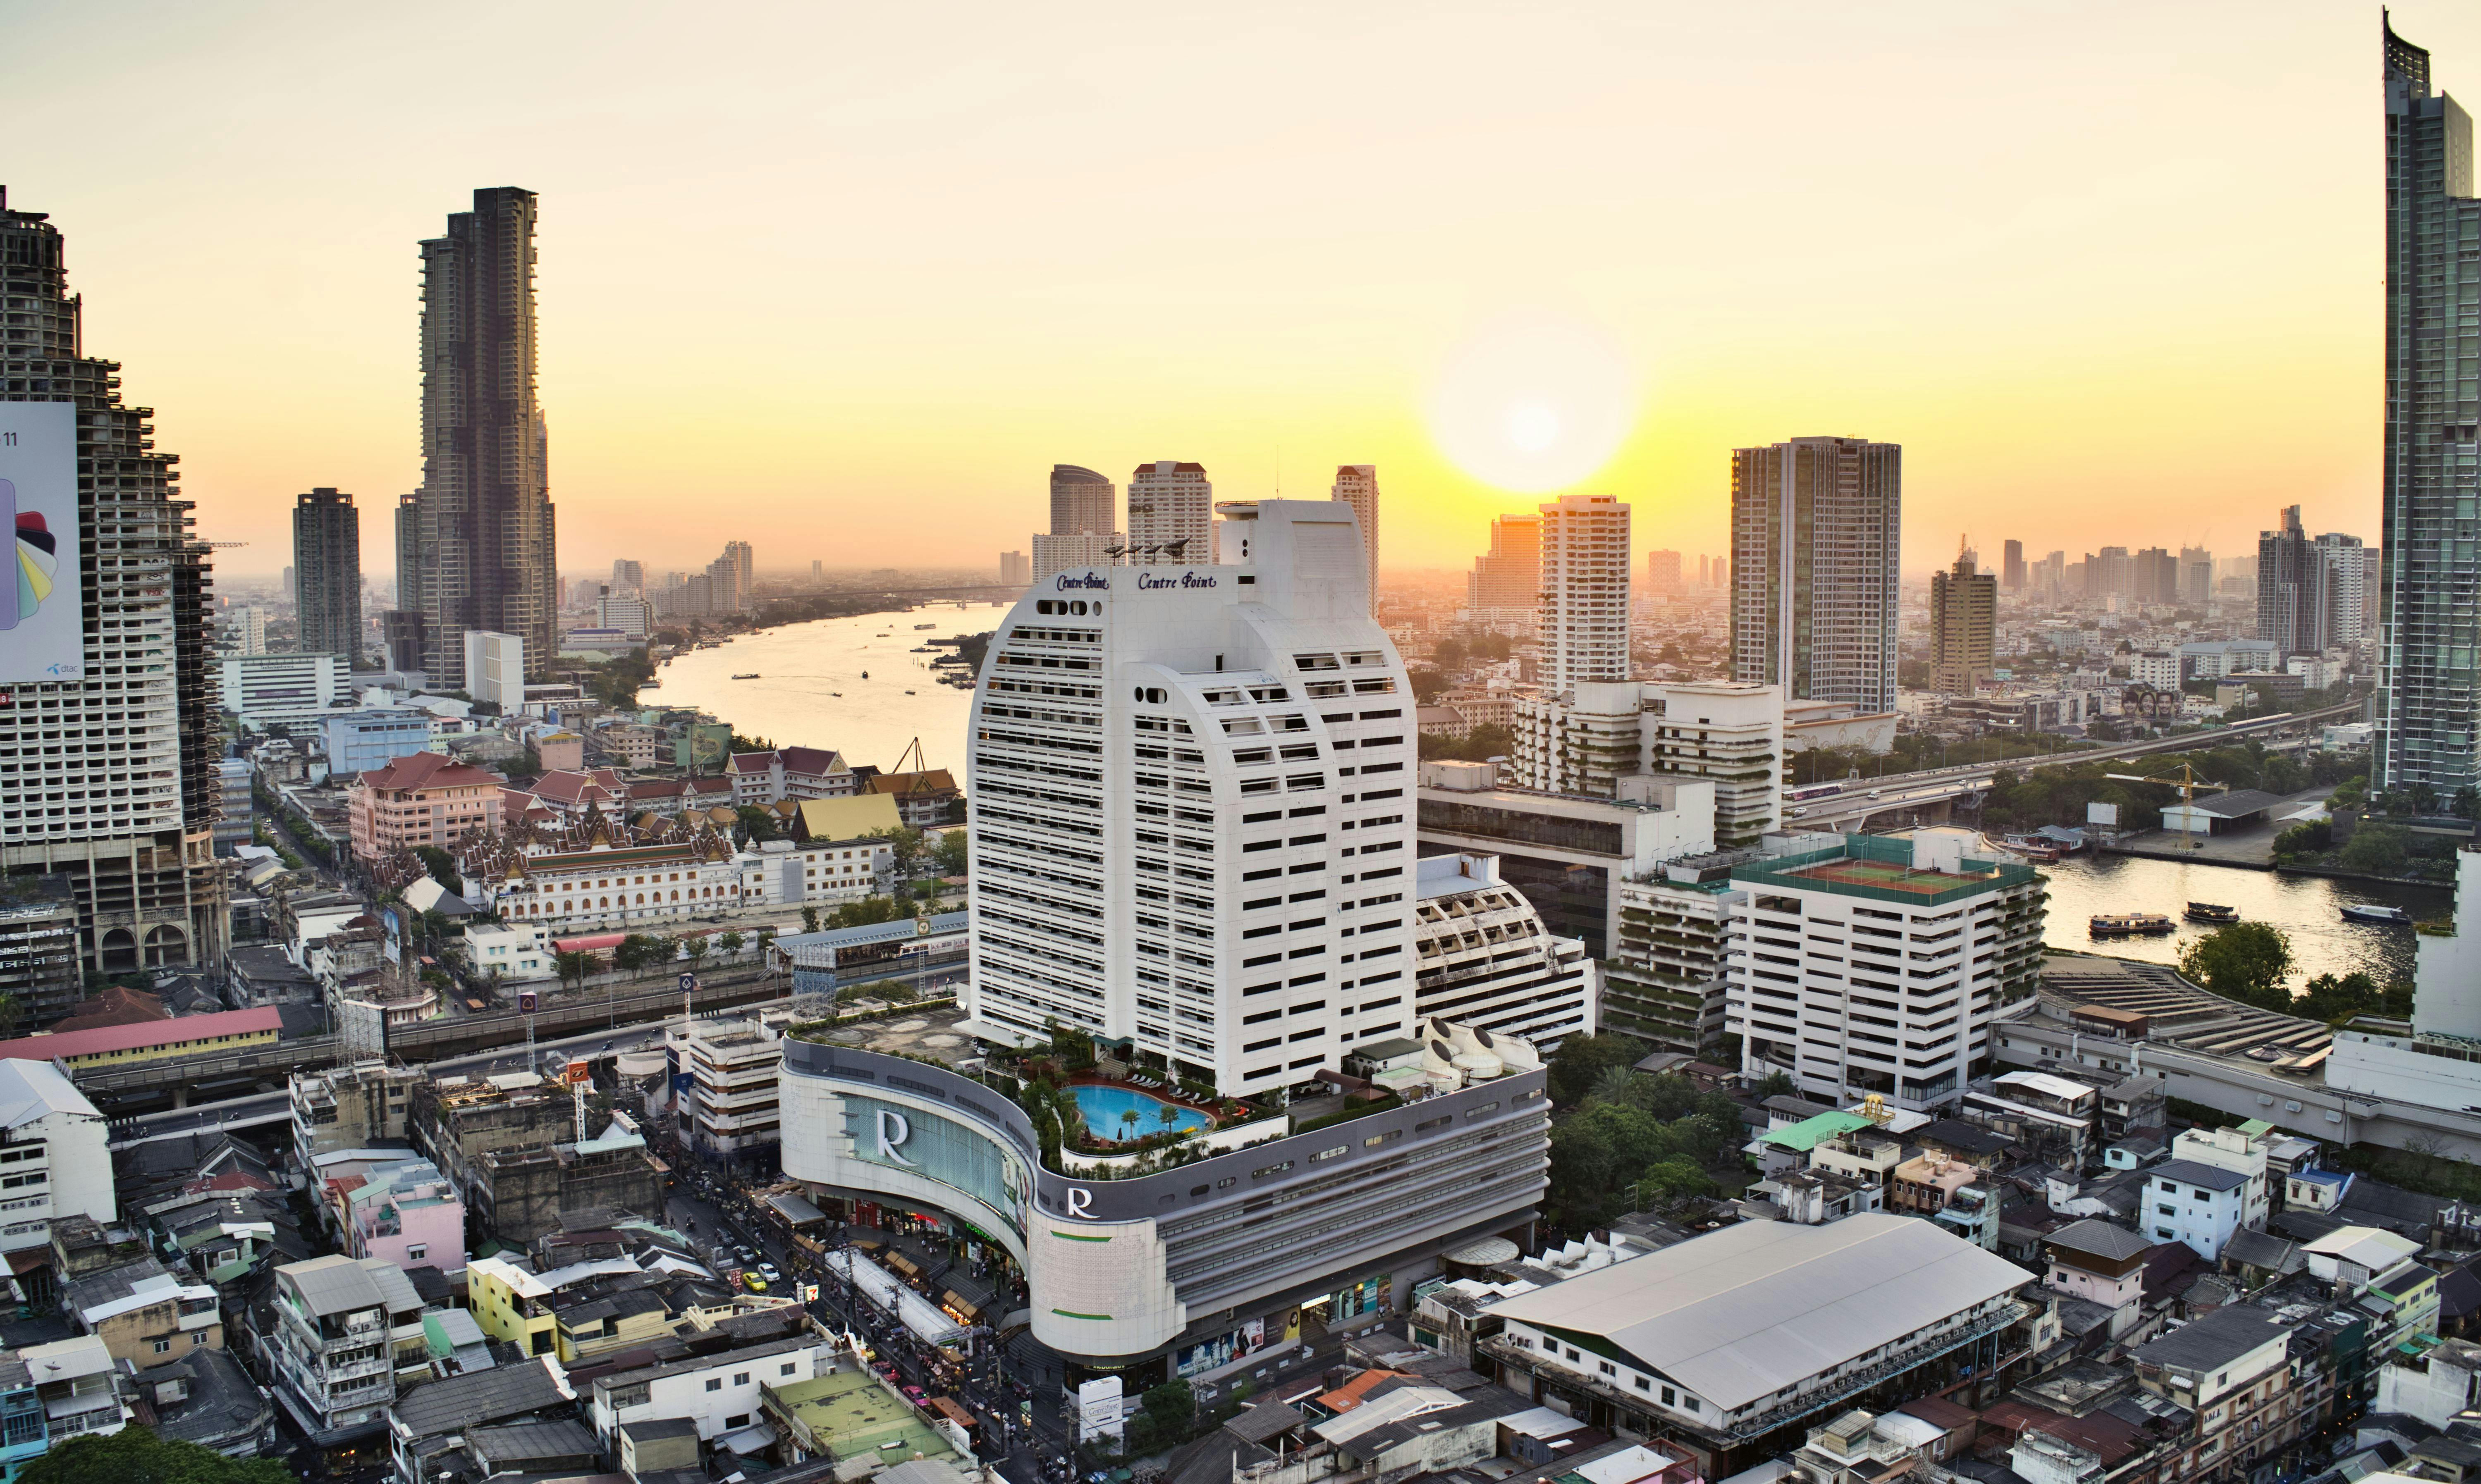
(2104, 815)
(42, 617)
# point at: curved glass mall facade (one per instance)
(1121, 1271)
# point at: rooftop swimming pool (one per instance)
(1105, 1109)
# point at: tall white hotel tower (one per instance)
(1192, 814)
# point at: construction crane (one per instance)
(2187, 784)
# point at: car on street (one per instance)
(766, 1270)
(755, 1282)
(915, 1395)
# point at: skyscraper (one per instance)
(2429, 681)
(123, 815)
(484, 543)
(1081, 503)
(2196, 575)
(1172, 514)
(629, 578)
(2291, 597)
(1582, 622)
(1015, 571)
(1816, 533)
(2011, 570)
(1964, 609)
(2154, 576)
(1208, 836)
(2347, 587)
(1662, 571)
(1084, 522)
(735, 575)
(327, 556)
(1505, 585)
(1357, 485)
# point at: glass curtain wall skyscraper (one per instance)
(2429, 669)
(484, 554)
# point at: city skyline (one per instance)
(1301, 355)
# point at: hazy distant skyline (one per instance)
(2111, 273)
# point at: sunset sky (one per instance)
(845, 281)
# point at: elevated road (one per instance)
(1940, 787)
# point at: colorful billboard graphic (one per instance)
(42, 619)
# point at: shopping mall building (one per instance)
(1194, 1265)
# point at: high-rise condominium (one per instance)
(483, 537)
(734, 576)
(2011, 569)
(1172, 514)
(2347, 587)
(2154, 576)
(125, 812)
(2430, 662)
(1015, 571)
(1662, 571)
(1964, 607)
(1584, 620)
(629, 578)
(2196, 575)
(1357, 485)
(2292, 603)
(1085, 524)
(1816, 532)
(327, 557)
(1192, 818)
(1506, 581)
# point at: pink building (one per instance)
(425, 798)
(407, 1214)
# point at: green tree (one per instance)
(1776, 1085)
(952, 853)
(2244, 961)
(1449, 656)
(697, 949)
(1577, 1066)
(575, 966)
(755, 823)
(2376, 850)
(2467, 803)
(634, 954)
(135, 1455)
(442, 868)
(731, 942)
(809, 920)
(1427, 684)
(868, 910)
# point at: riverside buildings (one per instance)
(327, 567)
(483, 523)
(1816, 532)
(124, 808)
(1582, 620)
(1172, 514)
(1084, 526)
(1192, 816)
(2429, 687)
(1880, 965)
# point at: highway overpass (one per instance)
(1928, 795)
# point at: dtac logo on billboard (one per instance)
(1068, 581)
(1147, 580)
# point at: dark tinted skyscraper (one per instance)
(2011, 566)
(484, 545)
(2429, 669)
(2292, 604)
(327, 560)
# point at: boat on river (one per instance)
(2131, 925)
(752, 675)
(2210, 911)
(2374, 912)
